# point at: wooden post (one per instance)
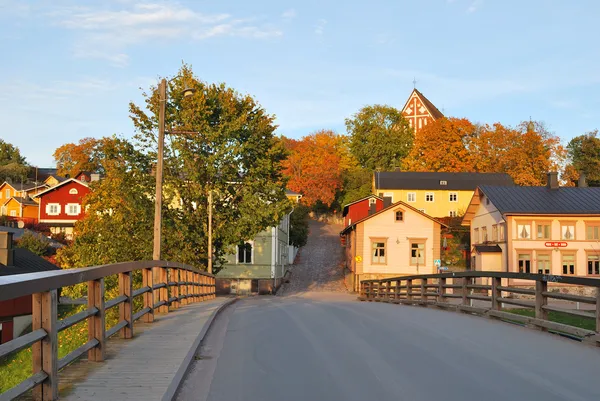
(174, 276)
(148, 281)
(540, 301)
(190, 279)
(196, 281)
(213, 283)
(204, 287)
(183, 289)
(465, 291)
(408, 289)
(163, 293)
(496, 293)
(45, 352)
(397, 290)
(424, 289)
(441, 290)
(126, 307)
(96, 323)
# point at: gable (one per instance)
(65, 187)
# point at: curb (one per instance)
(187, 361)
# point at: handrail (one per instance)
(468, 286)
(165, 286)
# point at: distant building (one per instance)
(419, 111)
(361, 208)
(547, 230)
(434, 193)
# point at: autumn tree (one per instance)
(12, 164)
(584, 153)
(315, 165)
(72, 158)
(444, 145)
(380, 137)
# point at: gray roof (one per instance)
(543, 200)
(431, 180)
(25, 201)
(25, 261)
(487, 248)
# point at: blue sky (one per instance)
(69, 68)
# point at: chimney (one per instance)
(95, 177)
(582, 182)
(372, 208)
(6, 251)
(387, 201)
(552, 180)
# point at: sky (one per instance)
(68, 69)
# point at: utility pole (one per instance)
(210, 256)
(162, 100)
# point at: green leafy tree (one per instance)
(12, 165)
(380, 137)
(34, 243)
(357, 184)
(299, 225)
(584, 152)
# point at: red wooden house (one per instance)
(61, 206)
(361, 208)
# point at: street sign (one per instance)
(437, 262)
(555, 244)
(443, 268)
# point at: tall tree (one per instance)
(315, 165)
(380, 137)
(444, 145)
(72, 158)
(584, 152)
(12, 165)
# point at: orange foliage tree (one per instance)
(72, 158)
(315, 165)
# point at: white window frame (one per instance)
(68, 209)
(49, 207)
(73, 191)
(411, 197)
(13, 213)
(455, 194)
(427, 194)
(372, 201)
(452, 213)
(7, 192)
(443, 182)
(237, 254)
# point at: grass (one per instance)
(561, 317)
(16, 367)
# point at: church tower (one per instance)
(419, 111)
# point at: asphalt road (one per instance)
(322, 346)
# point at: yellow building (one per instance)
(20, 207)
(26, 191)
(436, 194)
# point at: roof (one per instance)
(60, 184)
(289, 192)
(487, 248)
(431, 180)
(25, 261)
(543, 200)
(392, 206)
(430, 106)
(347, 207)
(23, 201)
(56, 177)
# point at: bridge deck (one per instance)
(143, 368)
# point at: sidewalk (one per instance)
(148, 367)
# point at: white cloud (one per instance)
(475, 5)
(289, 14)
(320, 28)
(108, 33)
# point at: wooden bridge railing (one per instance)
(438, 289)
(164, 284)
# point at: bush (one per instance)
(34, 243)
(60, 237)
(299, 225)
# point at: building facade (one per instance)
(545, 230)
(419, 111)
(436, 194)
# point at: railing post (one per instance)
(465, 291)
(148, 281)
(540, 301)
(183, 288)
(424, 290)
(204, 287)
(397, 290)
(163, 293)
(441, 290)
(213, 286)
(409, 295)
(126, 307)
(45, 352)
(190, 280)
(496, 293)
(175, 278)
(96, 323)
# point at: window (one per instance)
(475, 235)
(453, 197)
(53, 209)
(442, 182)
(494, 232)
(411, 197)
(372, 201)
(245, 253)
(378, 252)
(429, 197)
(543, 231)
(543, 263)
(8, 193)
(13, 213)
(452, 213)
(592, 232)
(73, 209)
(568, 264)
(567, 231)
(399, 215)
(524, 231)
(417, 253)
(593, 265)
(524, 263)
(501, 232)
(73, 191)
(484, 236)
(422, 210)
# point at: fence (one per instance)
(439, 289)
(164, 284)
